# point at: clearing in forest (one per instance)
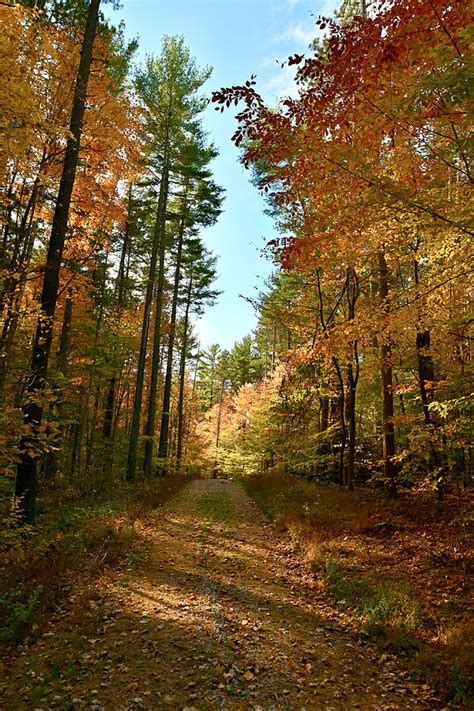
(212, 611)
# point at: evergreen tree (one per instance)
(244, 364)
(168, 87)
(199, 204)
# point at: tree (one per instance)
(360, 169)
(168, 88)
(244, 364)
(199, 268)
(207, 369)
(26, 474)
(200, 207)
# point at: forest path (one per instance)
(213, 611)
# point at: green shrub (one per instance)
(461, 679)
(17, 612)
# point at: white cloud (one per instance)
(281, 84)
(298, 34)
(301, 28)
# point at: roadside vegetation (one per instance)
(398, 570)
(60, 559)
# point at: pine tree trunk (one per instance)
(25, 490)
(156, 357)
(107, 426)
(182, 374)
(218, 426)
(108, 418)
(137, 405)
(191, 400)
(165, 416)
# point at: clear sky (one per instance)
(237, 38)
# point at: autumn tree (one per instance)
(368, 170)
(26, 475)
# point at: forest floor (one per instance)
(212, 609)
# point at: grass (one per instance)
(378, 605)
(364, 550)
(217, 507)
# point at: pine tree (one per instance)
(168, 88)
(200, 206)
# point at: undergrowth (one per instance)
(377, 604)
(70, 544)
(346, 539)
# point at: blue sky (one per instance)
(237, 38)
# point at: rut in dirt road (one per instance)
(214, 613)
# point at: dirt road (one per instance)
(213, 611)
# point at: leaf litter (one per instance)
(217, 613)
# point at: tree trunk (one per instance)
(426, 377)
(156, 357)
(137, 405)
(165, 417)
(90, 436)
(119, 297)
(218, 426)
(51, 460)
(342, 419)
(324, 402)
(25, 490)
(109, 416)
(425, 362)
(182, 374)
(325, 446)
(387, 384)
(352, 292)
(190, 413)
(351, 427)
